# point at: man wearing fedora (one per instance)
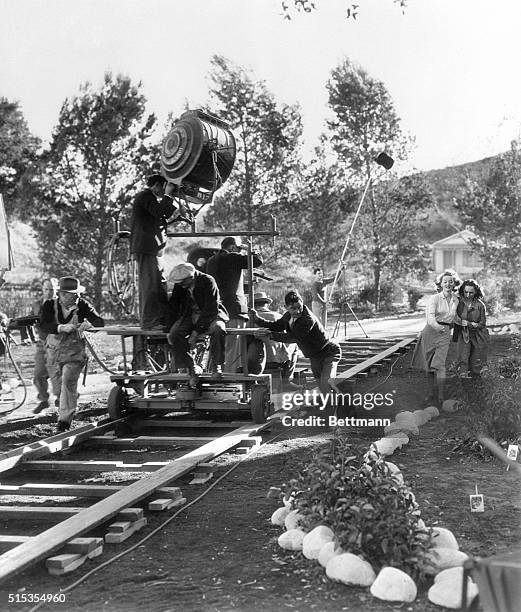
(227, 266)
(65, 319)
(279, 355)
(195, 308)
(150, 211)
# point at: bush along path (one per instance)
(354, 515)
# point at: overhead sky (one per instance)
(451, 66)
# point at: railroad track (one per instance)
(118, 508)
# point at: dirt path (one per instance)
(221, 554)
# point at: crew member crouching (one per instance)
(65, 319)
(195, 308)
(298, 324)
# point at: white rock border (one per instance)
(396, 435)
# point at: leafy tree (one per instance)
(388, 239)
(491, 208)
(267, 163)
(324, 203)
(100, 150)
(308, 6)
(18, 150)
(364, 124)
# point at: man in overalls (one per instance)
(65, 319)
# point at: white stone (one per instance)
(427, 416)
(279, 516)
(405, 415)
(392, 429)
(401, 440)
(395, 471)
(433, 411)
(420, 417)
(392, 584)
(385, 446)
(315, 539)
(443, 538)
(443, 558)
(328, 551)
(450, 405)
(293, 520)
(292, 539)
(452, 573)
(421, 525)
(350, 569)
(446, 590)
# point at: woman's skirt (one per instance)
(431, 350)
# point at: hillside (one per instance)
(446, 184)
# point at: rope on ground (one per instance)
(159, 528)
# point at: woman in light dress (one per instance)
(431, 351)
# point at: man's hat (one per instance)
(261, 298)
(70, 284)
(152, 179)
(180, 272)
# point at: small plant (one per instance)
(510, 367)
(492, 409)
(371, 514)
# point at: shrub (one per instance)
(368, 294)
(509, 291)
(492, 409)
(414, 296)
(370, 513)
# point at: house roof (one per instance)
(458, 239)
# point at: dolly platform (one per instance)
(156, 389)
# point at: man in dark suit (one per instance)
(150, 211)
(226, 267)
(195, 308)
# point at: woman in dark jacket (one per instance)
(470, 330)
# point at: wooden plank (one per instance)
(165, 504)
(29, 513)
(94, 466)
(144, 441)
(80, 546)
(53, 444)
(116, 537)
(50, 540)
(66, 490)
(356, 370)
(140, 424)
(177, 422)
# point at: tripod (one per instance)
(342, 317)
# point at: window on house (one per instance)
(449, 258)
(471, 259)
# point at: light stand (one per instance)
(386, 162)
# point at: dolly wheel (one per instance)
(259, 404)
(116, 402)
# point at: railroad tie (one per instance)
(202, 473)
(131, 520)
(77, 551)
(247, 445)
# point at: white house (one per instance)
(455, 252)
